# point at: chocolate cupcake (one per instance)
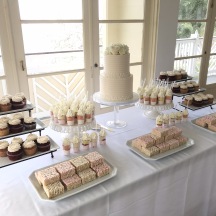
(210, 98)
(21, 94)
(17, 102)
(205, 100)
(43, 143)
(17, 140)
(29, 123)
(196, 86)
(4, 130)
(15, 126)
(176, 88)
(32, 137)
(14, 151)
(5, 105)
(184, 74)
(3, 148)
(197, 101)
(163, 75)
(19, 116)
(178, 75)
(190, 87)
(171, 75)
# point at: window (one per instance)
(57, 48)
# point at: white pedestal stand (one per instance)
(115, 123)
(153, 111)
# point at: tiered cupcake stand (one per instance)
(4, 161)
(116, 122)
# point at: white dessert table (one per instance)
(182, 184)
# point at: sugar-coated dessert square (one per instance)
(176, 131)
(87, 175)
(48, 176)
(201, 122)
(72, 182)
(65, 169)
(163, 147)
(169, 136)
(94, 158)
(151, 151)
(160, 132)
(210, 119)
(80, 163)
(143, 141)
(173, 143)
(53, 190)
(157, 139)
(102, 169)
(182, 140)
(212, 127)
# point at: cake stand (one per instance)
(153, 111)
(116, 123)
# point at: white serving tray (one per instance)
(202, 128)
(40, 192)
(191, 107)
(189, 143)
(5, 161)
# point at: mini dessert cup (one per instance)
(70, 120)
(185, 115)
(153, 99)
(146, 99)
(76, 144)
(94, 139)
(159, 121)
(66, 146)
(102, 137)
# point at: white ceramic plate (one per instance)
(40, 192)
(189, 143)
(202, 128)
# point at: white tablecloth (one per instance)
(180, 185)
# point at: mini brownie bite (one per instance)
(43, 143)
(15, 126)
(14, 151)
(3, 148)
(4, 130)
(29, 123)
(17, 102)
(5, 105)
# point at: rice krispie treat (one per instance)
(173, 143)
(53, 190)
(47, 176)
(151, 151)
(87, 175)
(163, 147)
(169, 136)
(80, 163)
(72, 182)
(102, 169)
(65, 169)
(212, 127)
(94, 158)
(176, 131)
(182, 140)
(143, 141)
(157, 139)
(201, 122)
(160, 132)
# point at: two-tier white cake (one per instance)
(116, 82)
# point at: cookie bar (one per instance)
(80, 163)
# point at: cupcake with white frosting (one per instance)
(15, 126)
(3, 148)
(14, 151)
(29, 123)
(210, 98)
(17, 102)
(32, 137)
(43, 143)
(5, 105)
(4, 130)
(29, 147)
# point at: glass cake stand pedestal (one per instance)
(153, 111)
(115, 123)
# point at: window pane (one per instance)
(54, 62)
(52, 37)
(193, 10)
(50, 9)
(192, 66)
(213, 46)
(211, 78)
(45, 91)
(121, 9)
(122, 33)
(136, 71)
(189, 39)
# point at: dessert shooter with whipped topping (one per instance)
(94, 139)
(76, 144)
(61, 117)
(168, 96)
(85, 141)
(159, 121)
(102, 137)
(80, 117)
(172, 118)
(70, 116)
(88, 114)
(178, 117)
(153, 98)
(185, 115)
(66, 145)
(165, 120)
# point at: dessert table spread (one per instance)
(183, 184)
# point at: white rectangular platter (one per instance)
(4, 161)
(189, 143)
(40, 192)
(191, 107)
(202, 128)
(189, 93)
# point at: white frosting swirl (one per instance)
(18, 116)
(102, 133)
(17, 99)
(4, 144)
(43, 139)
(4, 101)
(3, 125)
(31, 137)
(29, 144)
(14, 121)
(70, 113)
(17, 140)
(66, 142)
(94, 135)
(29, 120)
(14, 147)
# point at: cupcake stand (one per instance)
(115, 123)
(4, 161)
(151, 111)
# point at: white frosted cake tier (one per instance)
(116, 82)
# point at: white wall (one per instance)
(168, 19)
